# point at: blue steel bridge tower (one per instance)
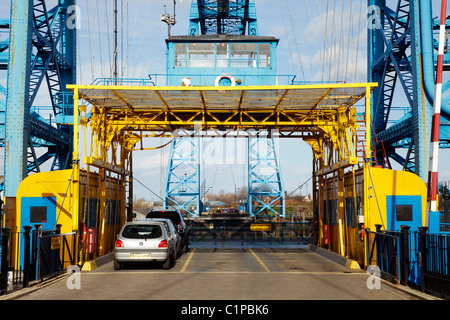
(38, 52)
(223, 48)
(402, 58)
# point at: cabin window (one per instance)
(244, 55)
(201, 55)
(222, 55)
(180, 55)
(264, 55)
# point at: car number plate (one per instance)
(140, 255)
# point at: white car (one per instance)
(144, 241)
(173, 233)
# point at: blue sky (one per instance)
(301, 27)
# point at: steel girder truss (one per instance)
(183, 177)
(42, 50)
(398, 60)
(4, 45)
(265, 186)
(223, 17)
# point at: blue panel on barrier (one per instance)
(403, 210)
(37, 210)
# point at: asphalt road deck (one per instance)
(224, 274)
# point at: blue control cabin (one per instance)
(221, 60)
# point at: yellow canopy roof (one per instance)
(295, 97)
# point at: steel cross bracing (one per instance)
(223, 17)
(183, 177)
(41, 49)
(4, 45)
(401, 59)
(266, 191)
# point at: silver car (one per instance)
(144, 241)
(173, 233)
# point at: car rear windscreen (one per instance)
(144, 231)
(173, 216)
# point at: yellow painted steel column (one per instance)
(367, 161)
(316, 215)
(102, 214)
(102, 184)
(368, 122)
(76, 164)
(341, 212)
(322, 213)
(318, 202)
(123, 183)
(130, 189)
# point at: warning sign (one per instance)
(261, 227)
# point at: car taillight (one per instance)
(163, 244)
(180, 226)
(119, 244)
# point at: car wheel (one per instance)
(168, 263)
(174, 257)
(186, 247)
(117, 265)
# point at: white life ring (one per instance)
(226, 76)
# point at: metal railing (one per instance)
(417, 259)
(383, 251)
(159, 79)
(34, 255)
(11, 276)
(435, 255)
(444, 222)
(55, 253)
(229, 233)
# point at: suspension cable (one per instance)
(106, 23)
(340, 42)
(130, 40)
(97, 12)
(304, 38)
(351, 29)
(142, 40)
(295, 36)
(325, 40)
(150, 46)
(313, 31)
(91, 49)
(332, 42)
(357, 42)
(287, 37)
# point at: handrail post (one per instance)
(35, 250)
(404, 251)
(423, 255)
(26, 259)
(4, 264)
(379, 246)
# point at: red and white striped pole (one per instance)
(435, 126)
